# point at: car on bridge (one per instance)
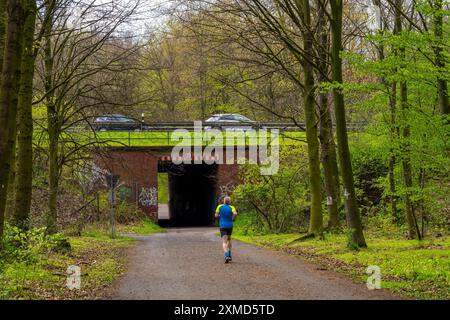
(116, 122)
(229, 122)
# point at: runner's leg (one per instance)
(225, 243)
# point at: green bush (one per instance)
(25, 246)
(369, 166)
(277, 203)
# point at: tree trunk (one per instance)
(327, 145)
(356, 238)
(202, 85)
(393, 132)
(8, 98)
(405, 147)
(440, 59)
(3, 21)
(53, 136)
(329, 163)
(23, 183)
(393, 128)
(316, 219)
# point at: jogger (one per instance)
(226, 214)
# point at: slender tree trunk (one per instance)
(393, 128)
(405, 147)
(202, 84)
(356, 237)
(329, 163)
(8, 98)
(405, 150)
(25, 122)
(393, 135)
(327, 145)
(3, 22)
(440, 59)
(53, 136)
(316, 219)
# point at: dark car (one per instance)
(116, 122)
(229, 122)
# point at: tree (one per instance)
(78, 63)
(438, 29)
(316, 219)
(24, 161)
(8, 96)
(356, 238)
(405, 145)
(274, 20)
(327, 145)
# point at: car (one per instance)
(116, 122)
(229, 122)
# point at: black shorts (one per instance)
(226, 232)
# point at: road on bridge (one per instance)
(187, 264)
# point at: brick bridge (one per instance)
(194, 189)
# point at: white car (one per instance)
(228, 121)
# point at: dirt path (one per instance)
(187, 264)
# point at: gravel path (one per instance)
(187, 264)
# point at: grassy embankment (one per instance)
(169, 138)
(44, 276)
(411, 268)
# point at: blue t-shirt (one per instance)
(225, 212)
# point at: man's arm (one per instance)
(218, 211)
(234, 212)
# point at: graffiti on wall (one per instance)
(148, 197)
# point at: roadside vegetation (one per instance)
(274, 213)
(34, 265)
(411, 269)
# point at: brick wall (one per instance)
(138, 171)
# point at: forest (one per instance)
(346, 198)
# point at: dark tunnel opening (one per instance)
(192, 194)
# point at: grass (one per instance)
(414, 269)
(142, 228)
(100, 258)
(168, 138)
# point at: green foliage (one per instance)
(277, 203)
(418, 269)
(35, 270)
(26, 246)
(369, 165)
(415, 132)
